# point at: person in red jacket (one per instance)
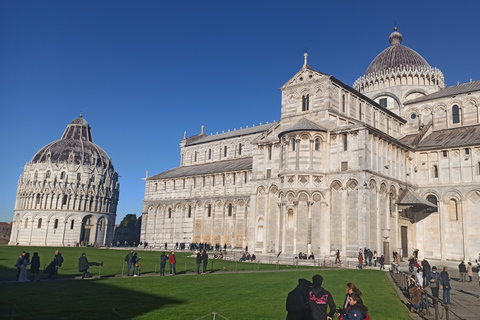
(172, 261)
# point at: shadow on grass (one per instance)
(92, 299)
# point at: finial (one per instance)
(81, 114)
(202, 129)
(185, 135)
(305, 55)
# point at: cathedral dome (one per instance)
(396, 56)
(75, 147)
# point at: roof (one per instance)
(396, 56)
(410, 198)
(455, 137)
(230, 134)
(303, 125)
(449, 91)
(207, 168)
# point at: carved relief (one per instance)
(303, 179)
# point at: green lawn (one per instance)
(243, 295)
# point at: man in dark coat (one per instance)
(57, 262)
(199, 261)
(297, 301)
(462, 268)
(318, 300)
(205, 261)
(83, 265)
(129, 261)
(35, 267)
(434, 283)
(163, 262)
(445, 282)
(19, 264)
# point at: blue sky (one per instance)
(144, 72)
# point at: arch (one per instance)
(336, 185)
(432, 198)
(413, 91)
(387, 94)
(373, 184)
(352, 184)
(303, 196)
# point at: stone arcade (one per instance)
(392, 163)
(67, 194)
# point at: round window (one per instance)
(413, 116)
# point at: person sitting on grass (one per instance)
(356, 309)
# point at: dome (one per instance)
(75, 147)
(396, 56)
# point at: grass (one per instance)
(243, 295)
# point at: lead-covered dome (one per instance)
(396, 56)
(75, 147)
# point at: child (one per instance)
(356, 310)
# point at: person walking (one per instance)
(319, 298)
(205, 261)
(129, 260)
(199, 261)
(470, 271)
(445, 285)
(337, 257)
(360, 261)
(163, 262)
(172, 261)
(35, 267)
(381, 261)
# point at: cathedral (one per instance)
(67, 194)
(391, 163)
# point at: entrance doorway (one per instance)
(87, 234)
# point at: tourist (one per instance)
(419, 277)
(172, 261)
(297, 301)
(349, 290)
(426, 273)
(375, 258)
(136, 260)
(415, 292)
(83, 266)
(129, 260)
(434, 283)
(253, 257)
(163, 262)
(470, 271)
(462, 268)
(356, 309)
(337, 257)
(199, 261)
(318, 300)
(35, 267)
(360, 261)
(411, 264)
(58, 260)
(381, 261)
(23, 268)
(18, 265)
(205, 261)
(445, 285)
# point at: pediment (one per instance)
(304, 76)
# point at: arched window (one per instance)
(345, 142)
(62, 175)
(225, 151)
(209, 210)
(35, 176)
(39, 225)
(453, 210)
(209, 154)
(435, 171)
(55, 224)
(293, 144)
(169, 213)
(26, 223)
(305, 102)
(343, 103)
(230, 209)
(72, 224)
(317, 144)
(455, 114)
(269, 152)
(100, 226)
(189, 211)
(432, 199)
(239, 148)
(360, 111)
(39, 198)
(64, 200)
(195, 157)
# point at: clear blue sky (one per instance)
(143, 72)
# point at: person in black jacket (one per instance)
(35, 267)
(83, 265)
(57, 262)
(349, 290)
(318, 300)
(199, 261)
(297, 301)
(205, 261)
(163, 262)
(356, 309)
(129, 261)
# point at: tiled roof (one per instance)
(410, 198)
(207, 168)
(456, 137)
(231, 134)
(450, 91)
(303, 125)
